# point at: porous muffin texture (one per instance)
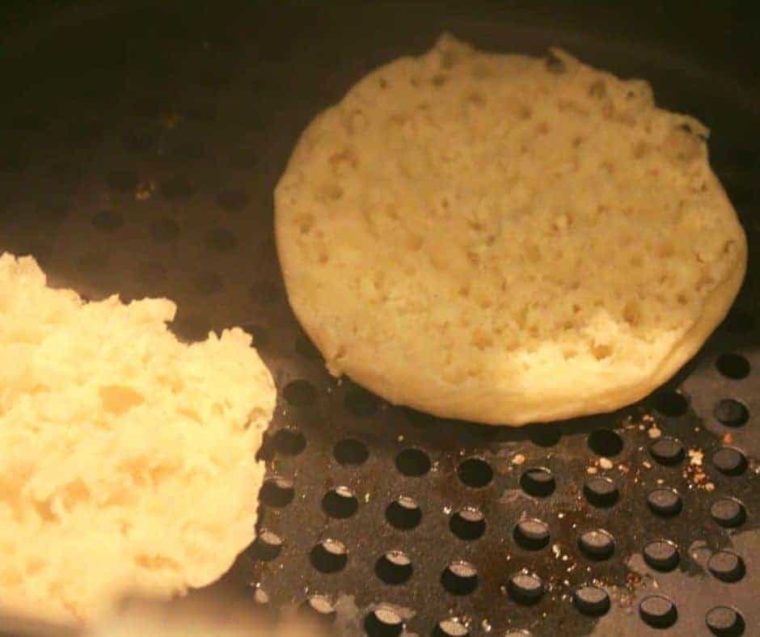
(505, 239)
(127, 458)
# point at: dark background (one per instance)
(725, 29)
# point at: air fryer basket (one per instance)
(139, 147)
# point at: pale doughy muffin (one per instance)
(127, 458)
(505, 239)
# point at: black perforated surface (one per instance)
(139, 148)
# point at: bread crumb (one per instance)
(144, 190)
(605, 463)
(696, 456)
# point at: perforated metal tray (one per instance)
(139, 146)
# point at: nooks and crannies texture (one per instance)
(505, 238)
(127, 458)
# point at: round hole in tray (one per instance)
(403, 513)
(601, 491)
(597, 544)
(460, 578)
(667, 451)
(475, 473)
(658, 611)
(329, 556)
(320, 608)
(544, 435)
(728, 512)
(277, 492)
(665, 501)
(289, 441)
(525, 588)
(267, 546)
(413, 462)
(730, 461)
(605, 442)
(299, 393)
(468, 524)
(340, 502)
(350, 451)
(532, 534)
(383, 622)
(731, 413)
(538, 481)
(591, 600)
(727, 566)
(394, 567)
(671, 403)
(661, 555)
(725, 621)
(733, 366)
